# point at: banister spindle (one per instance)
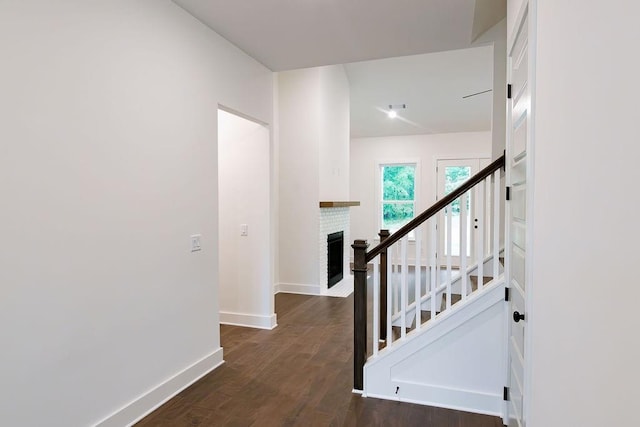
(390, 311)
(433, 264)
(404, 286)
(395, 278)
(417, 272)
(463, 245)
(449, 221)
(479, 226)
(359, 311)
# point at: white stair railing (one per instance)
(440, 275)
(444, 282)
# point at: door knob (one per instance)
(517, 316)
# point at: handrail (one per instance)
(435, 208)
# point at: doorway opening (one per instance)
(244, 222)
(450, 175)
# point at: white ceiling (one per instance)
(431, 86)
(292, 34)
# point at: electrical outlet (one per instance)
(196, 244)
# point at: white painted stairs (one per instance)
(453, 361)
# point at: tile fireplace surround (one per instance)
(334, 217)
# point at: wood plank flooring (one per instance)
(299, 374)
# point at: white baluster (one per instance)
(438, 258)
(463, 244)
(389, 296)
(404, 286)
(479, 226)
(417, 276)
(396, 281)
(433, 264)
(376, 305)
(449, 261)
(488, 217)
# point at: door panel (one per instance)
(519, 235)
(519, 172)
(519, 76)
(520, 138)
(518, 165)
(517, 265)
(519, 202)
(515, 396)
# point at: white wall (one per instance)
(313, 164)
(108, 165)
(299, 124)
(367, 153)
(334, 134)
(246, 290)
(497, 37)
(584, 296)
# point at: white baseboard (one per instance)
(298, 288)
(154, 398)
(248, 320)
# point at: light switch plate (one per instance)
(244, 230)
(196, 244)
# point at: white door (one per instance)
(450, 175)
(518, 166)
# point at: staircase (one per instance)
(436, 318)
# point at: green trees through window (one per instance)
(398, 195)
(455, 176)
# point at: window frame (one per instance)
(379, 189)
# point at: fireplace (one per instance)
(335, 258)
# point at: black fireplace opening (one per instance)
(335, 258)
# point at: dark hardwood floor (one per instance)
(299, 374)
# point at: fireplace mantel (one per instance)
(338, 204)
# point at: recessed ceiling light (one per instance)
(393, 110)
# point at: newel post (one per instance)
(384, 234)
(359, 311)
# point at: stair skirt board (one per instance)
(248, 320)
(148, 402)
(455, 361)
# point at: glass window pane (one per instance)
(395, 215)
(455, 176)
(398, 182)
